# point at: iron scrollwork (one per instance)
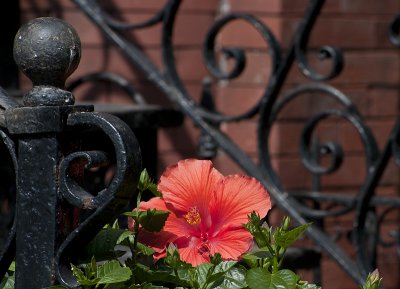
(109, 202)
(267, 109)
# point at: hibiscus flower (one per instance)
(207, 212)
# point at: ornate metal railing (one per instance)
(46, 139)
(364, 203)
(49, 134)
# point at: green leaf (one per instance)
(112, 272)
(151, 286)
(306, 285)
(216, 259)
(288, 276)
(125, 235)
(258, 278)
(153, 220)
(286, 239)
(173, 258)
(78, 273)
(115, 225)
(12, 267)
(103, 244)
(261, 235)
(202, 273)
(233, 279)
(224, 266)
(256, 258)
(82, 278)
(146, 183)
(143, 273)
(216, 274)
(153, 188)
(7, 283)
(132, 214)
(147, 251)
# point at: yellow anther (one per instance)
(193, 216)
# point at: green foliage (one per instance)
(272, 244)
(258, 269)
(8, 280)
(265, 262)
(373, 280)
(260, 278)
(146, 183)
(94, 275)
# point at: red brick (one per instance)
(375, 101)
(244, 134)
(170, 139)
(240, 33)
(188, 29)
(345, 6)
(292, 174)
(368, 6)
(170, 158)
(44, 5)
(282, 142)
(227, 166)
(256, 6)
(361, 68)
(100, 92)
(234, 100)
(343, 33)
(334, 277)
(155, 5)
(88, 32)
(381, 130)
(111, 59)
(257, 70)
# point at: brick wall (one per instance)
(370, 79)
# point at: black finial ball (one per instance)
(47, 50)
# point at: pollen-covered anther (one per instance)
(193, 216)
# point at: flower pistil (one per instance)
(193, 216)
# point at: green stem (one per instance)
(281, 259)
(136, 228)
(276, 263)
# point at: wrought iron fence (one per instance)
(48, 122)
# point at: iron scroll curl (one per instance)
(325, 52)
(237, 55)
(7, 252)
(109, 202)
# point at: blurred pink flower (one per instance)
(207, 212)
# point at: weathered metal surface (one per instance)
(50, 162)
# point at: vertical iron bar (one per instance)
(36, 211)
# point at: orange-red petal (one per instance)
(231, 243)
(188, 184)
(189, 251)
(236, 198)
(154, 203)
(174, 225)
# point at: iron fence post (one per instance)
(47, 51)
